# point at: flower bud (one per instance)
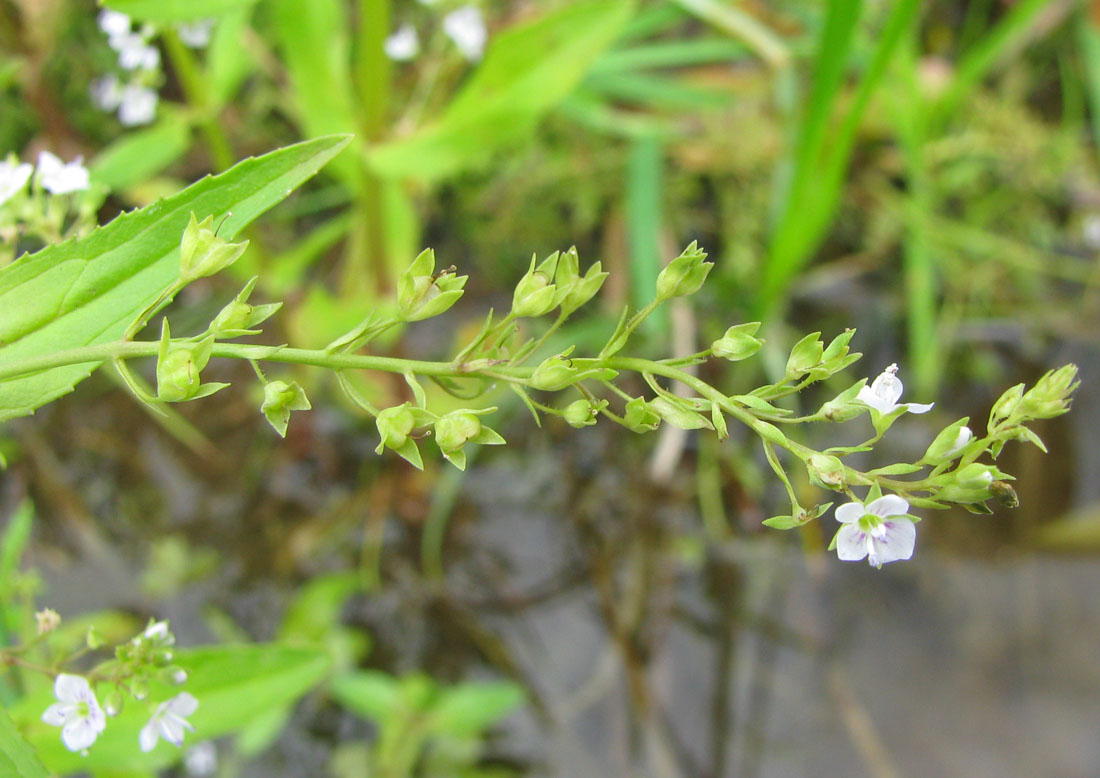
(203, 253)
(738, 343)
(1048, 397)
(573, 289)
(233, 316)
(455, 429)
(826, 471)
(805, 356)
(423, 293)
(112, 704)
(582, 413)
(640, 417)
(175, 675)
(1006, 405)
(968, 485)
(535, 295)
(394, 426)
(555, 373)
(280, 398)
(178, 368)
(139, 688)
(685, 274)
(948, 443)
(844, 406)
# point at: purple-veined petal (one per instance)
(901, 537)
(78, 734)
(183, 704)
(850, 512)
(888, 505)
(851, 543)
(55, 714)
(71, 688)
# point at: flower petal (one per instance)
(78, 734)
(919, 407)
(850, 512)
(149, 735)
(851, 543)
(888, 505)
(71, 688)
(56, 714)
(870, 397)
(183, 704)
(901, 537)
(171, 729)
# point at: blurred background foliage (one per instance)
(925, 172)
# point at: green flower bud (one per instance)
(394, 426)
(738, 343)
(1006, 405)
(423, 293)
(280, 398)
(949, 443)
(826, 471)
(139, 688)
(582, 413)
(203, 253)
(969, 485)
(454, 430)
(113, 702)
(236, 318)
(555, 373)
(178, 368)
(640, 417)
(1048, 398)
(805, 356)
(685, 274)
(535, 295)
(93, 640)
(844, 407)
(574, 290)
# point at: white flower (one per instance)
(114, 23)
(403, 45)
(137, 105)
(106, 93)
(879, 531)
(77, 712)
(13, 177)
(195, 34)
(59, 177)
(202, 759)
(168, 722)
(466, 28)
(884, 392)
(135, 53)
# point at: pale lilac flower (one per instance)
(466, 28)
(13, 177)
(884, 392)
(403, 45)
(196, 34)
(879, 531)
(201, 759)
(168, 722)
(106, 92)
(134, 53)
(59, 177)
(114, 23)
(77, 712)
(137, 105)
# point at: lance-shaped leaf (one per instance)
(87, 291)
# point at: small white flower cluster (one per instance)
(881, 531)
(55, 176)
(134, 99)
(465, 26)
(82, 719)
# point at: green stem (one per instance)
(194, 89)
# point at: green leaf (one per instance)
(233, 684)
(470, 708)
(174, 10)
(898, 469)
(137, 156)
(87, 291)
(17, 756)
(369, 693)
(528, 69)
(312, 36)
(781, 522)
